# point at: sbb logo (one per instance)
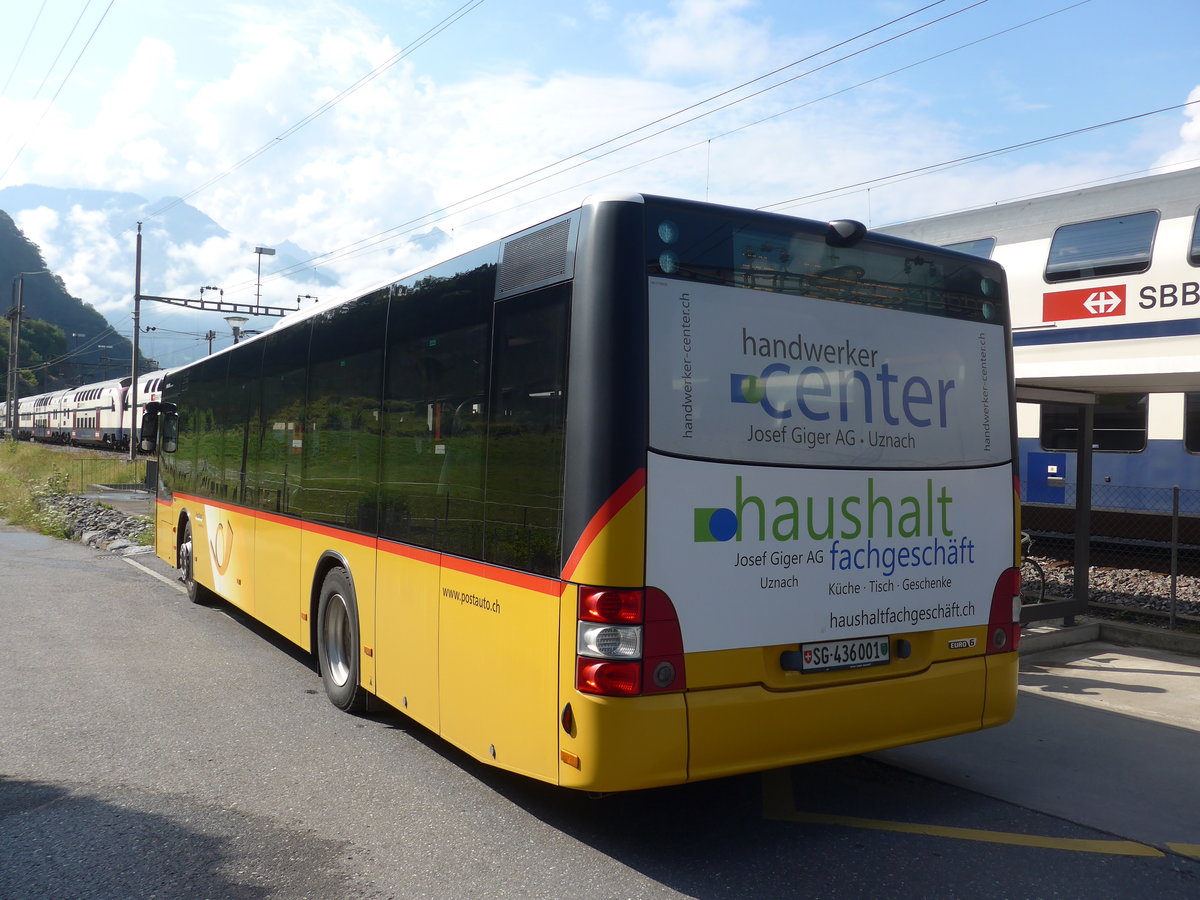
(1089, 303)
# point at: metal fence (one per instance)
(1143, 553)
(84, 475)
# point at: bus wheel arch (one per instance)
(336, 634)
(185, 559)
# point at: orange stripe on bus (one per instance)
(604, 515)
(538, 583)
(417, 554)
(542, 585)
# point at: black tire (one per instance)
(338, 642)
(196, 592)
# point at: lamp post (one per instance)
(13, 384)
(261, 251)
(236, 323)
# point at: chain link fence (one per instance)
(1144, 550)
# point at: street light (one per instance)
(236, 323)
(13, 384)
(261, 251)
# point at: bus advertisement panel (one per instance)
(895, 430)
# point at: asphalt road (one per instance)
(153, 748)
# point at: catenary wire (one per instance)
(498, 191)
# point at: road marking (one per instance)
(779, 804)
(163, 578)
(1192, 850)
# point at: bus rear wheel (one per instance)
(338, 642)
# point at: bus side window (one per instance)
(526, 433)
(431, 482)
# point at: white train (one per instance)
(92, 415)
(1105, 291)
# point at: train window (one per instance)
(1191, 422)
(1194, 252)
(982, 247)
(1118, 426)
(1117, 246)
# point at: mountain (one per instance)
(64, 340)
(114, 214)
(90, 237)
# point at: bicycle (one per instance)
(1033, 576)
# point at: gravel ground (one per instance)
(95, 524)
(1139, 590)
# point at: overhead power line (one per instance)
(50, 105)
(531, 178)
(24, 47)
(973, 157)
(429, 35)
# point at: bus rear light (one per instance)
(617, 606)
(1004, 619)
(609, 641)
(662, 652)
(628, 642)
(612, 679)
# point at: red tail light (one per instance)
(612, 605)
(613, 679)
(1004, 618)
(628, 642)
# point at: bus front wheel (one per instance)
(337, 642)
(196, 592)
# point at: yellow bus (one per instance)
(653, 492)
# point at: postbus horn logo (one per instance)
(221, 546)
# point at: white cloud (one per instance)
(1187, 153)
(709, 38)
(39, 226)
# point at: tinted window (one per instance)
(1194, 251)
(792, 256)
(342, 417)
(1119, 424)
(523, 497)
(197, 461)
(982, 247)
(241, 428)
(281, 426)
(1191, 422)
(1116, 246)
(431, 488)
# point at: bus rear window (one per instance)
(770, 253)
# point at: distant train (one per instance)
(92, 415)
(1105, 290)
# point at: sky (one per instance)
(384, 135)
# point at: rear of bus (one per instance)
(791, 491)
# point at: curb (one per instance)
(1051, 637)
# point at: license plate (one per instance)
(855, 653)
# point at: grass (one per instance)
(29, 472)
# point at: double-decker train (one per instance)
(91, 415)
(1104, 284)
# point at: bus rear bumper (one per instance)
(749, 728)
